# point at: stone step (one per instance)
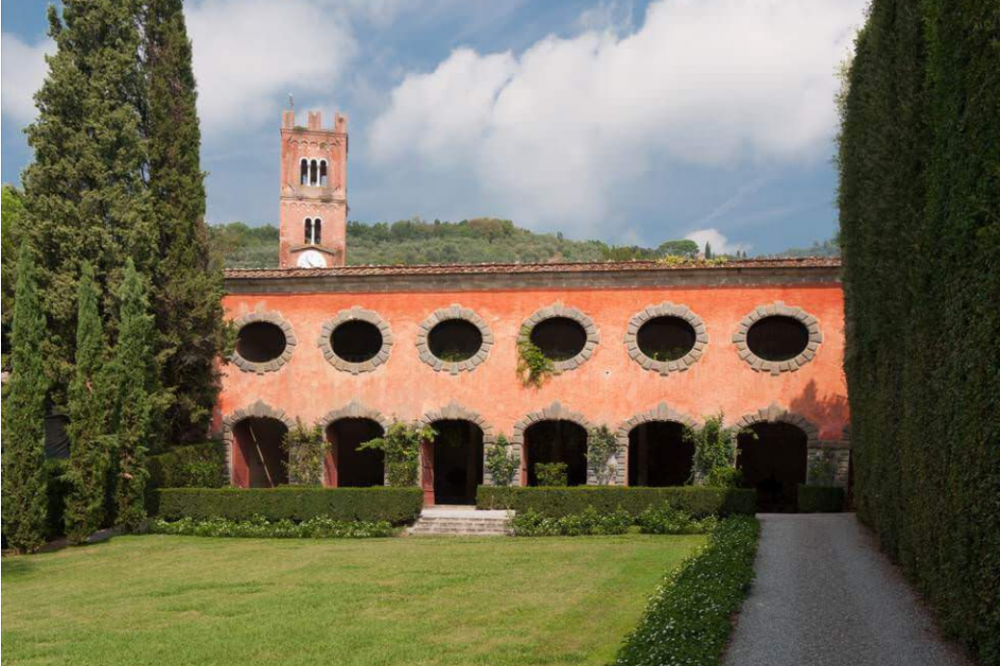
(436, 521)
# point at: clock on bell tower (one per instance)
(313, 218)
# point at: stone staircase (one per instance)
(461, 521)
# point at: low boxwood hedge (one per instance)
(191, 466)
(698, 501)
(297, 503)
(688, 618)
(821, 499)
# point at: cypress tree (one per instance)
(187, 283)
(85, 193)
(24, 481)
(90, 454)
(135, 378)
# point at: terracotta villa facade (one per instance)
(644, 348)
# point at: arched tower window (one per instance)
(313, 172)
(304, 172)
(308, 231)
(322, 173)
(317, 231)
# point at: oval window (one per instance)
(559, 338)
(455, 340)
(778, 338)
(356, 341)
(666, 338)
(260, 342)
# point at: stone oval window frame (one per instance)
(666, 309)
(454, 312)
(355, 313)
(268, 317)
(778, 309)
(560, 310)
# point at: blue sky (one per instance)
(631, 122)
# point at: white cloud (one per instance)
(248, 54)
(23, 71)
(560, 132)
(720, 244)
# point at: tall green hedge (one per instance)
(298, 503)
(920, 232)
(699, 501)
(192, 466)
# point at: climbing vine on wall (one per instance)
(533, 366)
(602, 445)
(307, 449)
(401, 446)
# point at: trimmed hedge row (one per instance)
(688, 619)
(297, 503)
(194, 466)
(258, 528)
(698, 501)
(820, 499)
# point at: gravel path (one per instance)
(825, 596)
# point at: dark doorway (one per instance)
(458, 461)
(778, 338)
(260, 342)
(455, 340)
(666, 338)
(265, 462)
(356, 341)
(774, 463)
(658, 455)
(553, 442)
(348, 466)
(559, 338)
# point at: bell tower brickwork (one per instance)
(313, 187)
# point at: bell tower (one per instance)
(313, 220)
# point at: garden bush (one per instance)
(698, 501)
(688, 619)
(820, 499)
(665, 519)
(552, 475)
(589, 522)
(295, 503)
(192, 466)
(259, 527)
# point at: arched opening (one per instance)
(778, 338)
(323, 178)
(559, 338)
(259, 461)
(455, 340)
(556, 441)
(260, 342)
(356, 341)
(666, 338)
(659, 455)
(313, 172)
(317, 237)
(307, 231)
(304, 172)
(347, 465)
(458, 461)
(773, 460)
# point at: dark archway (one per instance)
(458, 461)
(774, 463)
(261, 461)
(348, 466)
(553, 441)
(659, 455)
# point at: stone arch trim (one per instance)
(259, 409)
(455, 412)
(446, 314)
(353, 410)
(777, 414)
(554, 412)
(778, 308)
(560, 310)
(355, 313)
(666, 309)
(270, 317)
(659, 414)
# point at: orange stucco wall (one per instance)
(609, 388)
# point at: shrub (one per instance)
(296, 503)
(306, 449)
(589, 522)
(699, 501)
(602, 445)
(552, 475)
(666, 519)
(714, 450)
(820, 499)
(259, 527)
(823, 470)
(501, 462)
(724, 477)
(401, 446)
(688, 619)
(193, 466)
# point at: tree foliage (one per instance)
(24, 485)
(920, 230)
(714, 451)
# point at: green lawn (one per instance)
(187, 600)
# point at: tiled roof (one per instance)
(516, 269)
